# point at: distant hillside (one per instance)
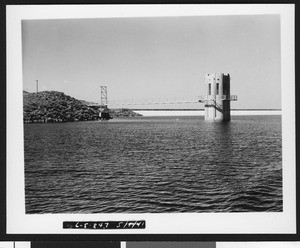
(54, 106)
(88, 103)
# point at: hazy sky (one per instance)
(155, 57)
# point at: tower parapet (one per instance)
(217, 97)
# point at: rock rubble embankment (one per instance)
(54, 106)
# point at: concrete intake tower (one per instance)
(217, 97)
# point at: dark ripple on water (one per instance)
(152, 165)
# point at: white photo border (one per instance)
(184, 223)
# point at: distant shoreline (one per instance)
(200, 112)
(202, 109)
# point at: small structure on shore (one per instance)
(104, 113)
(217, 97)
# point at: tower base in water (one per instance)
(217, 97)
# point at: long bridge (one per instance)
(216, 101)
(152, 101)
(119, 103)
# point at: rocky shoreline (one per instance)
(54, 106)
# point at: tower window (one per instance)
(209, 89)
(217, 90)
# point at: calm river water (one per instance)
(154, 165)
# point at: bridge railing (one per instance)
(223, 97)
(150, 101)
(160, 100)
(229, 97)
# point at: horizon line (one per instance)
(201, 109)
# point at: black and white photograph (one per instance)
(82, 156)
(152, 120)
